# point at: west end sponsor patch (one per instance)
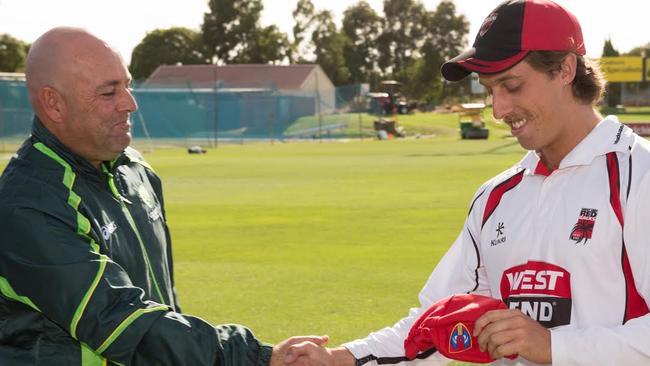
(460, 339)
(540, 290)
(584, 228)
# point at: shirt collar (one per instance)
(609, 135)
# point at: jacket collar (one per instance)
(78, 163)
(609, 135)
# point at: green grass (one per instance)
(327, 238)
(323, 238)
(333, 238)
(437, 124)
(361, 124)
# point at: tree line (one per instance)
(407, 42)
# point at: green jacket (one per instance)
(86, 269)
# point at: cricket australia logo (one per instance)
(585, 226)
(153, 209)
(146, 196)
(108, 230)
(501, 237)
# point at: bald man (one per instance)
(85, 252)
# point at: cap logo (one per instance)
(460, 339)
(487, 23)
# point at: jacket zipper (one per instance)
(129, 218)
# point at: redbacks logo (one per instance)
(585, 226)
(540, 290)
(487, 23)
(460, 339)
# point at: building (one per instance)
(304, 80)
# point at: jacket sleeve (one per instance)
(459, 271)
(51, 266)
(623, 344)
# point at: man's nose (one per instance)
(501, 105)
(128, 102)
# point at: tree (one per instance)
(232, 34)
(12, 53)
(166, 47)
(612, 90)
(609, 50)
(230, 27)
(362, 26)
(399, 43)
(302, 48)
(638, 51)
(269, 44)
(445, 37)
(329, 44)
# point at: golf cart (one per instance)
(390, 101)
(471, 121)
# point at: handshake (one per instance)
(310, 351)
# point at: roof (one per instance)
(285, 77)
(12, 76)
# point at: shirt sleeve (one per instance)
(59, 272)
(459, 271)
(622, 344)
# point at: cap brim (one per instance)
(467, 62)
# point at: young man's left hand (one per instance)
(511, 332)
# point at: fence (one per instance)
(185, 114)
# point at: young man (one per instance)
(85, 254)
(562, 237)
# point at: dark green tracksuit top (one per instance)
(86, 268)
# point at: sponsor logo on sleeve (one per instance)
(540, 290)
(618, 135)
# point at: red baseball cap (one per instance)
(448, 326)
(511, 31)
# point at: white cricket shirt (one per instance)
(570, 248)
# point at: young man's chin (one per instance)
(526, 143)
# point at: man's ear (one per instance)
(568, 68)
(53, 103)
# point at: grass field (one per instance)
(361, 124)
(332, 238)
(323, 238)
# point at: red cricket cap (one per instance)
(448, 325)
(511, 31)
